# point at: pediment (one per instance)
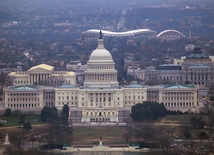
(39, 70)
(42, 68)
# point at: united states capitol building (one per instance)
(100, 99)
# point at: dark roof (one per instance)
(197, 54)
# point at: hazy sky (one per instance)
(103, 2)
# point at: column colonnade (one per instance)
(36, 78)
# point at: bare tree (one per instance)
(54, 81)
(57, 132)
(209, 110)
(165, 142)
(32, 139)
(129, 131)
(191, 147)
(9, 80)
(145, 131)
(2, 135)
(39, 134)
(63, 131)
(10, 150)
(211, 89)
(17, 138)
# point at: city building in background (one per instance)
(196, 68)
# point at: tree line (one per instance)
(56, 132)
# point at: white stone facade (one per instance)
(101, 99)
(42, 75)
(24, 98)
(196, 68)
(136, 73)
(179, 97)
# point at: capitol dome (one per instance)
(100, 70)
(100, 53)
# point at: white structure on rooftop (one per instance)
(170, 35)
(93, 34)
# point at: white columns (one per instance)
(31, 79)
(37, 79)
(43, 77)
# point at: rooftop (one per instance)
(24, 88)
(43, 66)
(67, 85)
(197, 54)
(127, 33)
(178, 86)
(135, 86)
(198, 66)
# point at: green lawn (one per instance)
(13, 120)
(91, 135)
(176, 119)
(114, 134)
(110, 134)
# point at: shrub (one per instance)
(212, 98)
(186, 133)
(174, 112)
(203, 135)
(8, 112)
(27, 126)
(17, 113)
(197, 122)
(147, 111)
